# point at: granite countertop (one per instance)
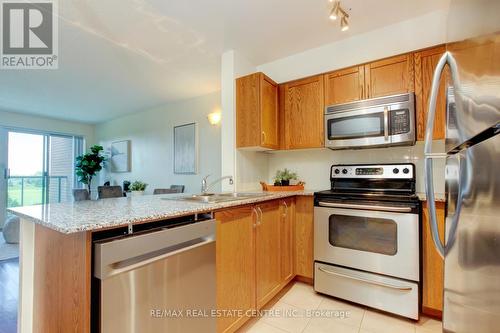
(80, 216)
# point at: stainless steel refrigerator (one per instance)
(471, 298)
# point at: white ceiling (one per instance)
(123, 56)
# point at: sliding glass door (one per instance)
(38, 168)
(26, 177)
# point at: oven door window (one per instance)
(376, 235)
(356, 126)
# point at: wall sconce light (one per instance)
(214, 117)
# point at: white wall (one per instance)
(313, 165)
(248, 168)
(25, 121)
(420, 32)
(151, 134)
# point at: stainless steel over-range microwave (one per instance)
(376, 122)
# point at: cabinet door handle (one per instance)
(263, 137)
(256, 217)
(260, 211)
(286, 209)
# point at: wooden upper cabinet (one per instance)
(257, 119)
(235, 264)
(268, 256)
(389, 76)
(425, 64)
(303, 113)
(345, 85)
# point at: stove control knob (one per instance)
(344, 171)
(395, 170)
(406, 171)
(337, 171)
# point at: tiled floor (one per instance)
(302, 298)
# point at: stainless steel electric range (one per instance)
(367, 237)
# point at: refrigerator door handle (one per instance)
(429, 181)
(462, 175)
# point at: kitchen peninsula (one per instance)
(57, 255)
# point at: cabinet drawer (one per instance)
(380, 292)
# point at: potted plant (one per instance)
(284, 176)
(89, 164)
(137, 188)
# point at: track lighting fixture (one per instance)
(344, 25)
(334, 13)
(338, 12)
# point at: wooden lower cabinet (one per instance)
(433, 265)
(268, 256)
(235, 253)
(254, 257)
(304, 236)
(287, 213)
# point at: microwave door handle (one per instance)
(386, 123)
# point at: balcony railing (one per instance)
(32, 190)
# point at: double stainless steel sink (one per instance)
(219, 197)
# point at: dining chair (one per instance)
(179, 188)
(164, 191)
(81, 194)
(106, 192)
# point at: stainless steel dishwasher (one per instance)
(158, 281)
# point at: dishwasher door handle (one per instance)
(131, 264)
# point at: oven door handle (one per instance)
(380, 284)
(367, 207)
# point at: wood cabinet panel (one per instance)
(257, 112)
(269, 113)
(235, 265)
(304, 236)
(345, 85)
(389, 76)
(268, 254)
(433, 265)
(287, 213)
(62, 273)
(304, 104)
(425, 64)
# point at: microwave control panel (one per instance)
(400, 121)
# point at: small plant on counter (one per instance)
(283, 177)
(89, 164)
(138, 186)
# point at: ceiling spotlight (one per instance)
(344, 25)
(334, 13)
